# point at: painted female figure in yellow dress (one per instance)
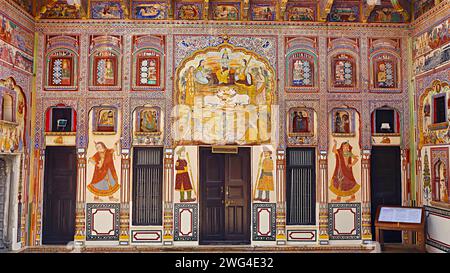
(265, 181)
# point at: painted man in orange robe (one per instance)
(104, 181)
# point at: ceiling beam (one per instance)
(205, 9)
(324, 9)
(245, 9)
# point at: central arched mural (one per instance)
(224, 95)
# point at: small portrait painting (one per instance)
(105, 71)
(149, 120)
(105, 119)
(343, 122)
(301, 121)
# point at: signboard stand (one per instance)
(403, 219)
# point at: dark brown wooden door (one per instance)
(59, 195)
(225, 197)
(386, 182)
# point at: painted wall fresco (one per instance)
(344, 12)
(431, 131)
(103, 155)
(226, 11)
(263, 12)
(422, 6)
(62, 56)
(148, 62)
(16, 35)
(13, 117)
(191, 11)
(386, 15)
(344, 166)
(150, 10)
(107, 10)
(25, 4)
(431, 48)
(148, 124)
(61, 9)
(264, 178)
(186, 174)
(299, 12)
(219, 79)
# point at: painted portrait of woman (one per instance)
(105, 180)
(343, 182)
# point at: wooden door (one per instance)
(385, 172)
(225, 197)
(59, 195)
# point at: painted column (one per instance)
(168, 197)
(40, 154)
(406, 191)
(281, 197)
(80, 216)
(419, 181)
(124, 234)
(365, 197)
(323, 198)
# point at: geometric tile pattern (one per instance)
(344, 221)
(185, 222)
(264, 221)
(102, 221)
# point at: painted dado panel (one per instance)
(438, 222)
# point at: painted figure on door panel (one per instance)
(265, 176)
(104, 181)
(343, 183)
(183, 176)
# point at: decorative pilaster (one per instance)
(40, 154)
(124, 234)
(406, 191)
(281, 197)
(168, 197)
(323, 198)
(419, 179)
(80, 216)
(365, 197)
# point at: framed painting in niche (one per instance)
(148, 121)
(301, 70)
(148, 67)
(192, 11)
(263, 12)
(105, 120)
(343, 71)
(384, 72)
(301, 122)
(105, 70)
(343, 122)
(60, 71)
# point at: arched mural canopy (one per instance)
(224, 95)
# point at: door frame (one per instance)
(249, 198)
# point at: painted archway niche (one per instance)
(224, 95)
